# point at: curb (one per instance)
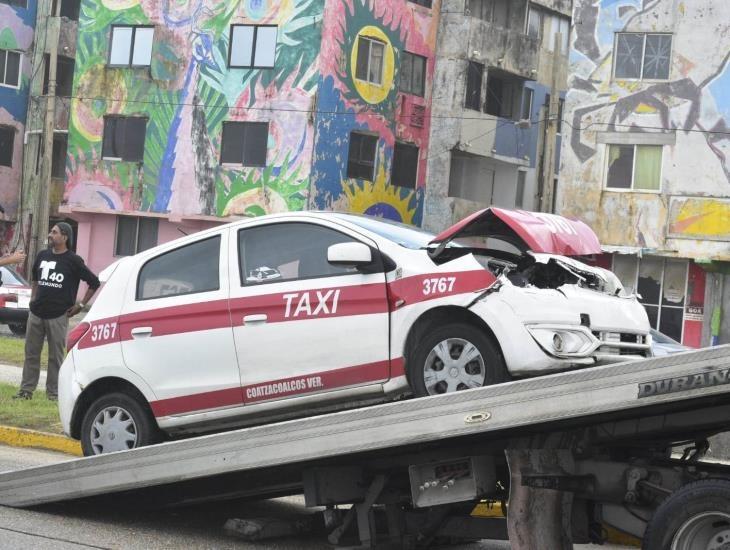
(20, 437)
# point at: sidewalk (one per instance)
(19, 437)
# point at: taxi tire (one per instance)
(147, 431)
(495, 369)
(18, 329)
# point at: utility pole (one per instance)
(35, 199)
(551, 127)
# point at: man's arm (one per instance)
(86, 275)
(14, 258)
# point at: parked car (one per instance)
(14, 300)
(294, 314)
(661, 344)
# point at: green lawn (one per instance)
(35, 414)
(12, 351)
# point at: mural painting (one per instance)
(186, 93)
(16, 38)
(347, 103)
(692, 103)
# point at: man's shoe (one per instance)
(52, 397)
(23, 394)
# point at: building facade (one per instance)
(185, 115)
(496, 66)
(17, 24)
(646, 155)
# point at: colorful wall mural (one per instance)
(310, 99)
(186, 93)
(690, 108)
(346, 103)
(16, 35)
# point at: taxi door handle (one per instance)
(259, 319)
(138, 332)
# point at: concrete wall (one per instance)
(508, 145)
(690, 216)
(16, 34)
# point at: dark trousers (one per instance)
(36, 332)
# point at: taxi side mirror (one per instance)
(349, 254)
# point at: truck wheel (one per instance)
(117, 422)
(17, 328)
(695, 516)
(452, 358)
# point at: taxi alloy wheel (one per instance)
(453, 358)
(116, 422)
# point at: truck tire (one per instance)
(694, 516)
(117, 422)
(454, 357)
(18, 329)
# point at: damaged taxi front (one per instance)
(549, 311)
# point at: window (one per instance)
(189, 269)
(124, 138)
(58, 160)
(493, 11)
(642, 56)
(662, 285)
(252, 46)
(131, 46)
(520, 190)
(361, 156)
(561, 105)
(370, 53)
(413, 74)
(474, 77)
(288, 251)
(135, 235)
(635, 167)
(244, 143)
(405, 165)
(424, 3)
(18, 3)
(527, 97)
(9, 68)
(64, 75)
(7, 139)
(534, 22)
(69, 8)
(504, 94)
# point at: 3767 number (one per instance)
(438, 285)
(103, 331)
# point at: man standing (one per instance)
(56, 275)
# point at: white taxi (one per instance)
(296, 314)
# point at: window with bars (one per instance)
(642, 56)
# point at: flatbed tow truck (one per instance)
(619, 445)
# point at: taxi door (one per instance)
(301, 325)
(176, 331)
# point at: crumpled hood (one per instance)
(535, 231)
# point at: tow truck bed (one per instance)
(629, 399)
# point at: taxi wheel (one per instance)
(452, 358)
(117, 422)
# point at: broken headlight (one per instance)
(564, 341)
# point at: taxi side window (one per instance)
(186, 270)
(288, 251)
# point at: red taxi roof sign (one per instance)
(535, 231)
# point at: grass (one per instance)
(35, 414)
(12, 351)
